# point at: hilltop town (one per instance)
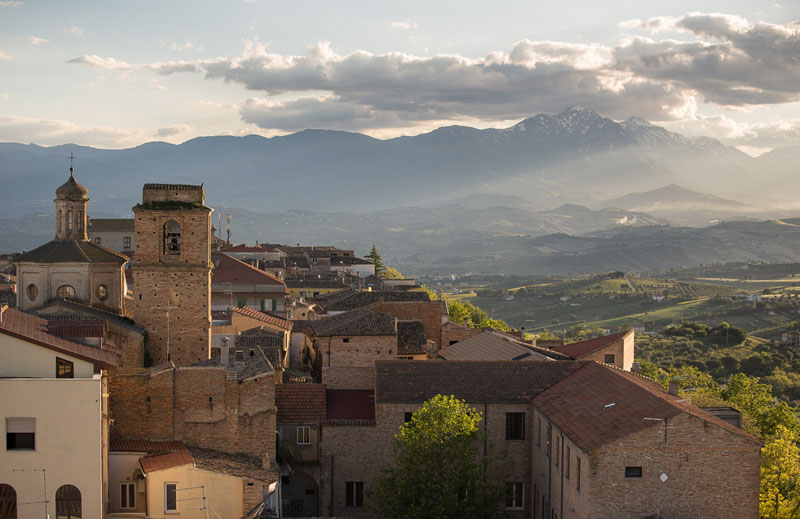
(152, 368)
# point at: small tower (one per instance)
(71, 203)
(172, 272)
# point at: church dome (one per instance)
(71, 190)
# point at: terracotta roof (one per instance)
(492, 345)
(264, 317)
(579, 349)
(78, 327)
(350, 404)
(411, 339)
(356, 322)
(149, 446)
(34, 329)
(111, 224)
(173, 187)
(300, 403)
(230, 270)
(473, 381)
(361, 299)
(250, 362)
(84, 309)
(72, 251)
(153, 462)
(240, 465)
(314, 282)
(71, 190)
(599, 404)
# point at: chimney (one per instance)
(636, 368)
(3, 309)
(673, 387)
(466, 322)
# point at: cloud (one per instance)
(189, 45)
(165, 68)
(733, 64)
(3, 55)
(73, 30)
(10, 3)
(752, 136)
(5, 97)
(53, 132)
(403, 25)
(172, 130)
(35, 40)
(100, 62)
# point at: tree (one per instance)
(376, 259)
(440, 468)
(780, 476)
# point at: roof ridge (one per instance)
(265, 273)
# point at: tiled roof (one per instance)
(245, 248)
(350, 404)
(264, 317)
(362, 299)
(300, 403)
(314, 282)
(579, 349)
(153, 462)
(72, 251)
(297, 261)
(111, 224)
(149, 446)
(491, 345)
(76, 327)
(228, 269)
(356, 322)
(599, 404)
(411, 338)
(249, 366)
(349, 260)
(83, 309)
(239, 465)
(172, 187)
(473, 381)
(34, 329)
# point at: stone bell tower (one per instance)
(71, 201)
(172, 272)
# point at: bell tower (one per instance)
(172, 272)
(71, 201)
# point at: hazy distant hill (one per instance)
(688, 207)
(573, 157)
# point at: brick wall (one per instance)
(429, 312)
(623, 351)
(253, 493)
(343, 377)
(455, 332)
(133, 415)
(349, 362)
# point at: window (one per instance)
(515, 426)
(346, 339)
(408, 416)
(633, 472)
(65, 292)
(609, 359)
(68, 502)
(315, 293)
(102, 292)
(354, 494)
(127, 495)
(126, 242)
(578, 473)
(33, 292)
(69, 220)
(97, 240)
(515, 494)
(8, 502)
(20, 434)
(568, 453)
(64, 368)
(170, 497)
(172, 238)
(303, 435)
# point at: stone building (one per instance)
(172, 272)
(616, 349)
(70, 266)
(113, 233)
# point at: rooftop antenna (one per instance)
(71, 158)
(228, 228)
(219, 224)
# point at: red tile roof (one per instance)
(264, 317)
(579, 349)
(350, 404)
(150, 446)
(239, 465)
(245, 248)
(34, 329)
(300, 403)
(599, 404)
(76, 327)
(155, 462)
(230, 270)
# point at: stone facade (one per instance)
(621, 352)
(429, 312)
(172, 272)
(349, 362)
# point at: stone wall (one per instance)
(452, 333)
(429, 312)
(349, 362)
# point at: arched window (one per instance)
(102, 292)
(172, 237)
(68, 502)
(33, 292)
(66, 292)
(8, 502)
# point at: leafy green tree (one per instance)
(374, 257)
(440, 469)
(780, 476)
(458, 311)
(754, 398)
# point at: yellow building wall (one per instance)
(223, 493)
(69, 444)
(295, 292)
(24, 359)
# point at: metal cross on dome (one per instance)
(71, 158)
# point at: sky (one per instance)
(118, 74)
